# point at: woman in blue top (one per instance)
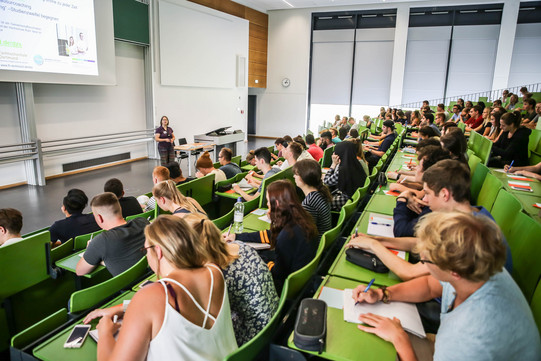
(166, 141)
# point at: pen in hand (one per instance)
(367, 288)
(510, 166)
(229, 230)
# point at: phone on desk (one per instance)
(77, 336)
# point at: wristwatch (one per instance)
(386, 296)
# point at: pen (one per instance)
(510, 165)
(356, 232)
(229, 230)
(380, 224)
(367, 288)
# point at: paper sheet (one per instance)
(380, 225)
(406, 312)
(333, 297)
(265, 218)
(258, 246)
(259, 212)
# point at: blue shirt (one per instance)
(494, 323)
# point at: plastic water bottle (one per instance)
(238, 216)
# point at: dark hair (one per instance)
(428, 131)
(264, 154)
(295, 149)
(496, 102)
(512, 118)
(174, 170)
(299, 140)
(286, 211)
(478, 108)
(447, 125)
(497, 118)
(75, 202)
(327, 135)
(279, 141)
(455, 142)
(452, 175)
(310, 172)
(114, 185)
(227, 154)
(432, 154)
(288, 139)
(342, 133)
(458, 107)
(429, 117)
(529, 101)
(12, 220)
(354, 133)
(350, 172)
(250, 155)
(426, 142)
(310, 139)
(523, 89)
(441, 105)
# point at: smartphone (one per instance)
(77, 336)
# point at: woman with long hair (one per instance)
(169, 198)
(166, 141)
(415, 118)
(317, 200)
(481, 129)
(345, 174)
(292, 236)
(183, 316)
(495, 129)
(512, 145)
(249, 282)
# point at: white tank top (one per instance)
(180, 339)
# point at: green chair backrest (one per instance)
(330, 236)
(534, 144)
(482, 148)
(462, 126)
(202, 189)
(297, 280)
(489, 191)
(472, 139)
(264, 185)
(92, 296)
(473, 161)
(251, 205)
(81, 241)
(505, 209)
(37, 330)
(535, 306)
(271, 148)
(236, 159)
(482, 99)
(327, 157)
(24, 263)
(372, 175)
(525, 250)
(237, 178)
(477, 179)
(251, 349)
(288, 174)
(224, 220)
(35, 232)
(216, 165)
(148, 215)
(62, 251)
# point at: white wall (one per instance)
(9, 128)
(525, 67)
(284, 110)
(200, 109)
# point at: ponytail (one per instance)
(169, 190)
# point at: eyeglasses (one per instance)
(144, 249)
(423, 261)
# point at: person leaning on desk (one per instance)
(484, 315)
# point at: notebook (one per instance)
(380, 225)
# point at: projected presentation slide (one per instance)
(53, 36)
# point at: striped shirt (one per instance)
(315, 204)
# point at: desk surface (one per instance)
(193, 146)
(344, 340)
(233, 195)
(53, 349)
(70, 263)
(504, 177)
(381, 203)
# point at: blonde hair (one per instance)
(211, 238)
(169, 190)
(178, 241)
(471, 246)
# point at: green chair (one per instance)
(330, 236)
(534, 143)
(81, 241)
(251, 349)
(62, 251)
(148, 215)
(525, 250)
(264, 184)
(482, 148)
(224, 220)
(35, 232)
(202, 189)
(236, 159)
(297, 280)
(473, 161)
(237, 178)
(477, 179)
(505, 209)
(326, 161)
(373, 175)
(535, 306)
(489, 191)
(461, 126)
(251, 205)
(89, 297)
(39, 329)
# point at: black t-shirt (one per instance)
(73, 226)
(119, 248)
(230, 170)
(130, 206)
(387, 142)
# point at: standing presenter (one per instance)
(165, 138)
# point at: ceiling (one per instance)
(265, 5)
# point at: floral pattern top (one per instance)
(252, 294)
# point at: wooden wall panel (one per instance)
(258, 35)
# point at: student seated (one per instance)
(159, 174)
(230, 169)
(129, 205)
(346, 174)
(315, 151)
(293, 235)
(120, 243)
(249, 282)
(376, 150)
(484, 315)
(533, 171)
(185, 315)
(456, 144)
(447, 189)
(317, 200)
(205, 166)
(11, 223)
(170, 199)
(512, 145)
(291, 153)
(175, 173)
(76, 223)
(262, 162)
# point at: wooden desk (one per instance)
(191, 147)
(344, 340)
(53, 349)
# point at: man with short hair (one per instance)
(325, 140)
(428, 118)
(230, 169)
(476, 118)
(130, 206)
(11, 223)
(119, 246)
(315, 151)
(376, 149)
(279, 145)
(529, 107)
(292, 153)
(456, 113)
(262, 162)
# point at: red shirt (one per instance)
(315, 151)
(474, 123)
